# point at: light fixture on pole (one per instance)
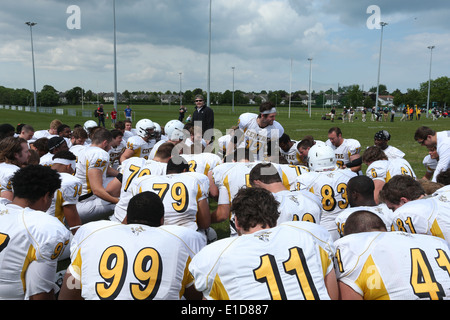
(382, 24)
(209, 59)
(310, 80)
(181, 96)
(31, 25)
(429, 78)
(232, 105)
(115, 57)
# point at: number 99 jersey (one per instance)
(289, 261)
(126, 262)
(394, 265)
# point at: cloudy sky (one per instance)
(268, 42)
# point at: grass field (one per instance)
(297, 123)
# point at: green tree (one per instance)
(48, 96)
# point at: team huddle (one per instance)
(130, 212)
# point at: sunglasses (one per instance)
(198, 100)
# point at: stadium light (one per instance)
(310, 80)
(429, 79)
(31, 25)
(233, 92)
(382, 24)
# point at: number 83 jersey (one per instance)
(180, 194)
(394, 265)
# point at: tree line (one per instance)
(349, 96)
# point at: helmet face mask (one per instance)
(146, 128)
(321, 158)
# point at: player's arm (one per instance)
(128, 153)
(96, 180)
(7, 194)
(69, 288)
(355, 162)
(347, 293)
(114, 186)
(213, 189)
(203, 215)
(332, 285)
(72, 217)
(222, 213)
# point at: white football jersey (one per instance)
(131, 169)
(348, 148)
(133, 262)
(298, 206)
(394, 265)
(115, 153)
(292, 156)
(92, 158)
(289, 261)
(27, 235)
(380, 210)
(331, 188)
(385, 169)
(71, 188)
(290, 172)
(180, 194)
(7, 171)
(46, 160)
(429, 164)
(256, 138)
(392, 152)
(430, 215)
(202, 162)
(140, 147)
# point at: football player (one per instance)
(293, 260)
(346, 150)
(14, 154)
(184, 195)
(141, 144)
(138, 260)
(260, 132)
(294, 205)
(31, 241)
(92, 169)
(373, 264)
(381, 170)
(381, 139)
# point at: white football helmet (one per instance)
(321, 158)
(145, 128)
(88, 125)
(174, 130)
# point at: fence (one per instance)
(58, 111)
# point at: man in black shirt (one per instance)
(205, 115)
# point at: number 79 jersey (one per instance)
(180, 194)
(289, 261)
(394, 265)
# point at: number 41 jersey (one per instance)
(394, 265)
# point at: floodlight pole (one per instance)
(382, 24)
(31, 25)
(209, 59)
(429, 78)
(232, 105)
(310, 80)
(115, 57)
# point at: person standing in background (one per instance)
(204, 114)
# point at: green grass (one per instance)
(297, 124)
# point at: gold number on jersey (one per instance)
(328, 197)
(423, 281)
(179, 194)
(4, 240)
(400, 225)
(296, 265)
(135, 170)
(306, 217)
(77, 190)
(113, 265)
(192, 165)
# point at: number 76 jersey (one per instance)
(394, 265)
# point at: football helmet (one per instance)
(157, 131)
(145, 128)
(174, 130)
(88, 125)
(321, 158)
